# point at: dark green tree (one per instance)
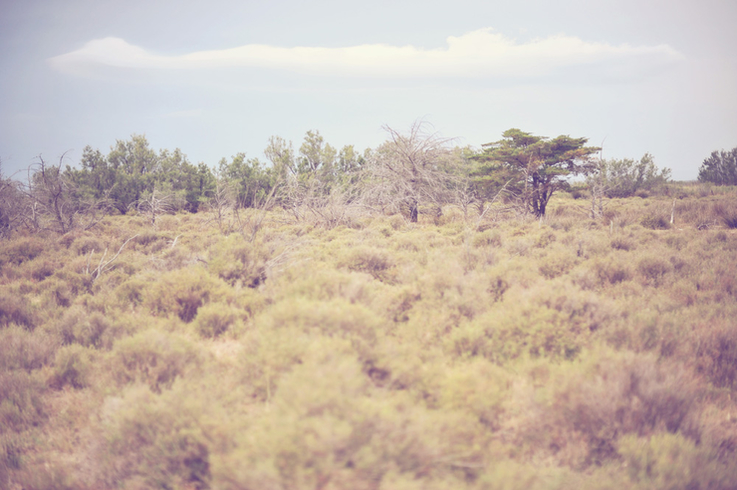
(133, 171)
(535, 166)
(249, 178)
(720, 168)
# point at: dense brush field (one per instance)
(453, 353)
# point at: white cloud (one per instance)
(478, 54)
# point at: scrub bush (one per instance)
(153, 357)
(215, 319)
(13, 309)
(614, 395)
(372, 261)
(653, 269)
(674, 462)
(88, 329)
(18, 251)
(151, 441)
(182, 292)
(488, 238)
(237, 261)
(715, 350)
(72, 367)
(21, 401)
(656, 222)
(20, 349)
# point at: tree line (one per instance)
(412, 172)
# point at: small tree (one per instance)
(537, 166)
(50, 198)
(412, 169)
(155, 204)
(720, 168)
(624, 178)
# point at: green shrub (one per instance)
(72, 367)
(152, 357)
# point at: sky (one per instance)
(220, 77)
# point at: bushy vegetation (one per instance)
(720, 168)
(479, 348)
(413, 316)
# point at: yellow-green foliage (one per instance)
(182, 292)
(153, 357)
(502, 352)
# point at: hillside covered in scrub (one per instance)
(480, 349)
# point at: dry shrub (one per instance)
(376, 262)
(715, 349)
(611, 270)
(487, 238)
(557, 263)
(656, 221)
(20, 349)
(344, 433)
(87, 245)
(674, 462)
(653, 269)
(726, 212)
(539, 325)
(334, 318)
(612, 396)
(153, 357)
(238, 261)
(18, 251)
(72, 367)
(79, 326)
(266, 357)
(478, 387)
(14, 309)
(545, 238)
(215, 319)
(21, 401)
(622, 243)
(145, 440)
(182, 292)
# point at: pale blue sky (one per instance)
(219, 77)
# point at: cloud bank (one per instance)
(478, 54)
